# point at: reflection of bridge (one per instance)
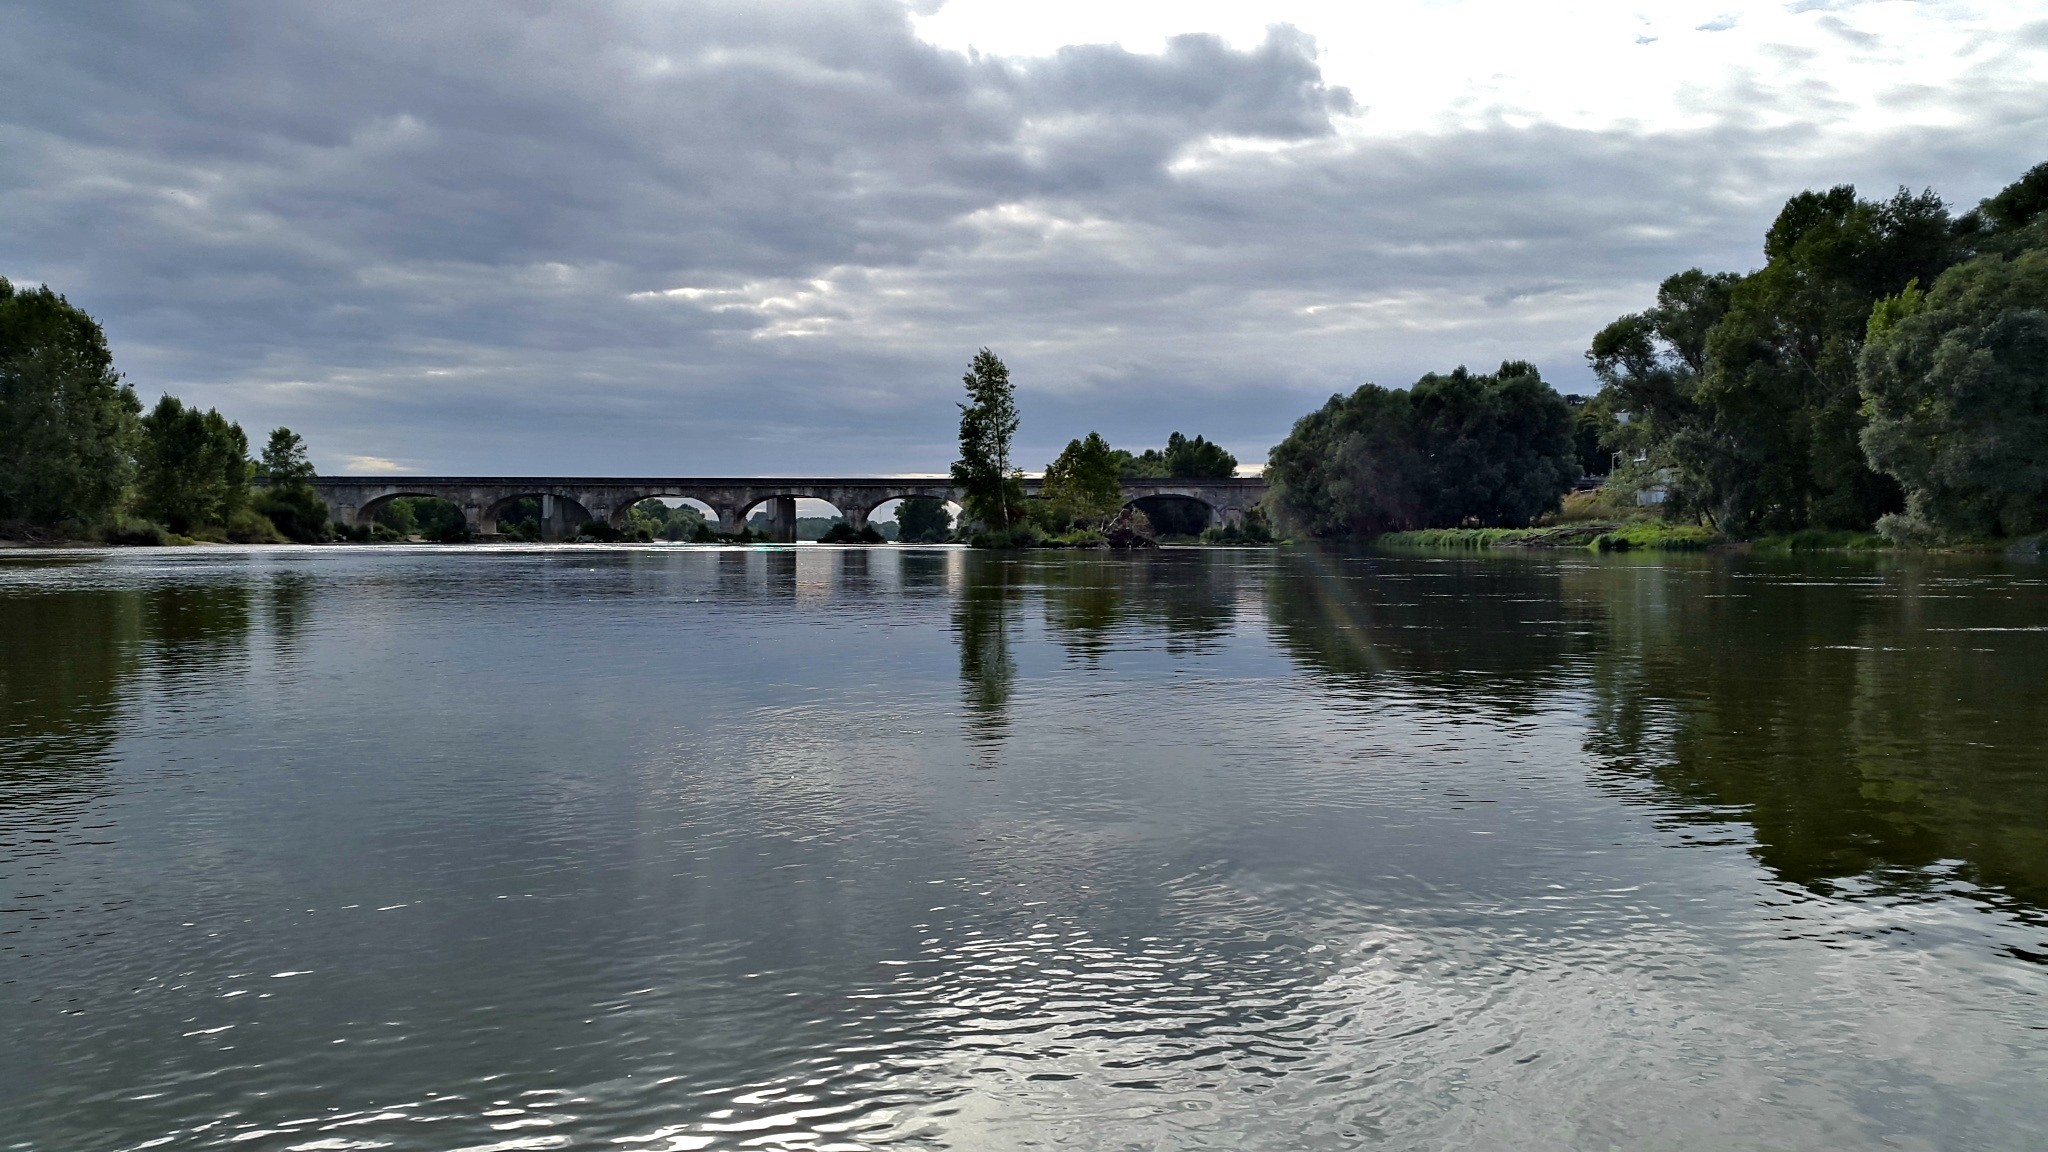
(568, 501)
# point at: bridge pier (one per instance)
(781, 519)
(732, 519)
(555, 516)
(856, 516)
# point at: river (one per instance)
(686, 848)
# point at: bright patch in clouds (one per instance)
(1439, 65)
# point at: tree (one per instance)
(923, 520)
(1457, 448)
(1649, 364)
(287, 498)
(1955, 387)
(67, 423)
(284, 458)
(1351, 468)
(1183, 459)
(1499, 448)
(1083, 483)
(992, 491)
(1778, 444)
(2013, 221)
(195, 467)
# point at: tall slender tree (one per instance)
(993, 491)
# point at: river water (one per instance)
(688, 848)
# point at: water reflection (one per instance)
(1871, 720)
(988, 597)
(1465, 633)
(674, 848)
(1868, 721)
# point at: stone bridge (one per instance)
(567, 502)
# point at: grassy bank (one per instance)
(1630, 536)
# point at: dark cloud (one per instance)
(746, 238)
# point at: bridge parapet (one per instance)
(569, 500)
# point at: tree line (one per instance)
(1886, 368)
(1081, 500)
(80, 457)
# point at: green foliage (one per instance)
(1023, 534)
(1649, 363)
(1254, 530)
(399, 517)
(1457, 448)
(656, 520)
(923, 520)
(424, 516)
(1639, 535)
(132, 530)
(287, 499)
(1082, 485)
(1644, 535)
(67, 423)
(1821, 540)
(1751, 391)
(247, 526)
(993, 491)
(2015, 220)
(194, 467)
(298, 514)
(1955, 386)
(284, 459)
(1183, 459)
(843, 533)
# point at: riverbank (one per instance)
(1618, 536)
(1657, 536)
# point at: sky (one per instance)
(646, 237)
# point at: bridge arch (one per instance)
(560, 516)
(949, 498)
(782, 517)
(1179, 512)
(621, 504)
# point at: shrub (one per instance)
(132, 530)
(843, 533)
(248, 526)
(295, 511)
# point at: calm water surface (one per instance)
(677, 848)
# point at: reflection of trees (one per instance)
(1185, 598)
(924, 570)
(67, 663)
(1458, 632)
(981, 619)
(291, 605)
(1855, 732)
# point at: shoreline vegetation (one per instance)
(1881, 382)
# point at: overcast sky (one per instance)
(695, 238)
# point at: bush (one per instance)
(1491, 450)
(1254, 530)
(295, 511)
(452, 532)
(598, 531)
(131, 530)
(1025, 535)
(1656, 537)
(248, 526)
(843, 533)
